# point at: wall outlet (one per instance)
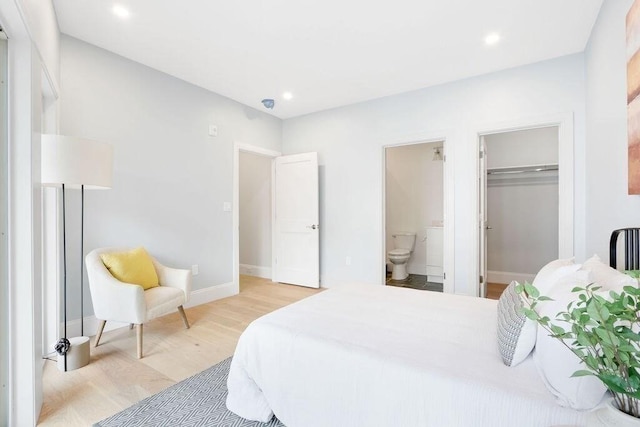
(194, 270)
(226, 206)
(348, 260)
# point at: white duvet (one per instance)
(384, 356)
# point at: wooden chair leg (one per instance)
(139, 335)
(184, 316)
(99, 333)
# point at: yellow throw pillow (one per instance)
(134, 266)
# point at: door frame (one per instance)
(482, 216)
(566, 190)
(448, 192)
(253, 149)
(51, 232)
(4, 241)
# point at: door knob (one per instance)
(489, 228)
(313, 227)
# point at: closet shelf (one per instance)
(523, 169)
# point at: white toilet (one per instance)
(403, 243)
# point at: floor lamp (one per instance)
(70, 162)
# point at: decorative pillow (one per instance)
(555, 362)
(552, 272)
(134, 266)
(516, 333)
(603, 275)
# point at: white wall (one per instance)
(522, 209)
(608, 206)
(414, 198)
(255, 214)
(524, 147)
(170, 178)
(349, 141)
(43, 24)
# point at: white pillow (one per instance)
(555, 362)
(603, 275)
(516, 332)
(552, 272)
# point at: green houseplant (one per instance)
(602, 332)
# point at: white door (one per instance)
(482, 216)
(296, 231)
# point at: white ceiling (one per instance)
(329, 53)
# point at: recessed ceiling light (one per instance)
(287, 95)
(120, 11)
(492, 39)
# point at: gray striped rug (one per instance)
(194, 402)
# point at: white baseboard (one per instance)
(435, 279)
(508, 277)
(212, 293)
(198, 297)
(255, 270)
(416, 268)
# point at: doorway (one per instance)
(294, 216)
(415, 215)
(247, 155)
(255, 193)
(520, 204)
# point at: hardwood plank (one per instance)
(494, 290)
(116, 379)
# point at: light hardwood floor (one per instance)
(115, 379)
(494, 290)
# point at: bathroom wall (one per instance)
(522, 209)
(414, 196)
(255, 214)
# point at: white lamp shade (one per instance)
(75, 161)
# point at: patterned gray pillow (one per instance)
(516, 333)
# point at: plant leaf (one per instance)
(597, 310)
(582, 373)
(519, 288)
(531, 314)
(531, 290)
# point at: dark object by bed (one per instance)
(631, 247)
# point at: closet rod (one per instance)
(522, 169)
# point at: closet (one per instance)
(521, 226)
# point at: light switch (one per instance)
(213, 130)
(226, 206)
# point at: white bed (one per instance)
(384, 356)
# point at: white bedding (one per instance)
(384, 356)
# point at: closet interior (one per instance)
(521, 203)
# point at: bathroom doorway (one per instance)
(415, 215)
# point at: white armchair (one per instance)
(123, 302)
